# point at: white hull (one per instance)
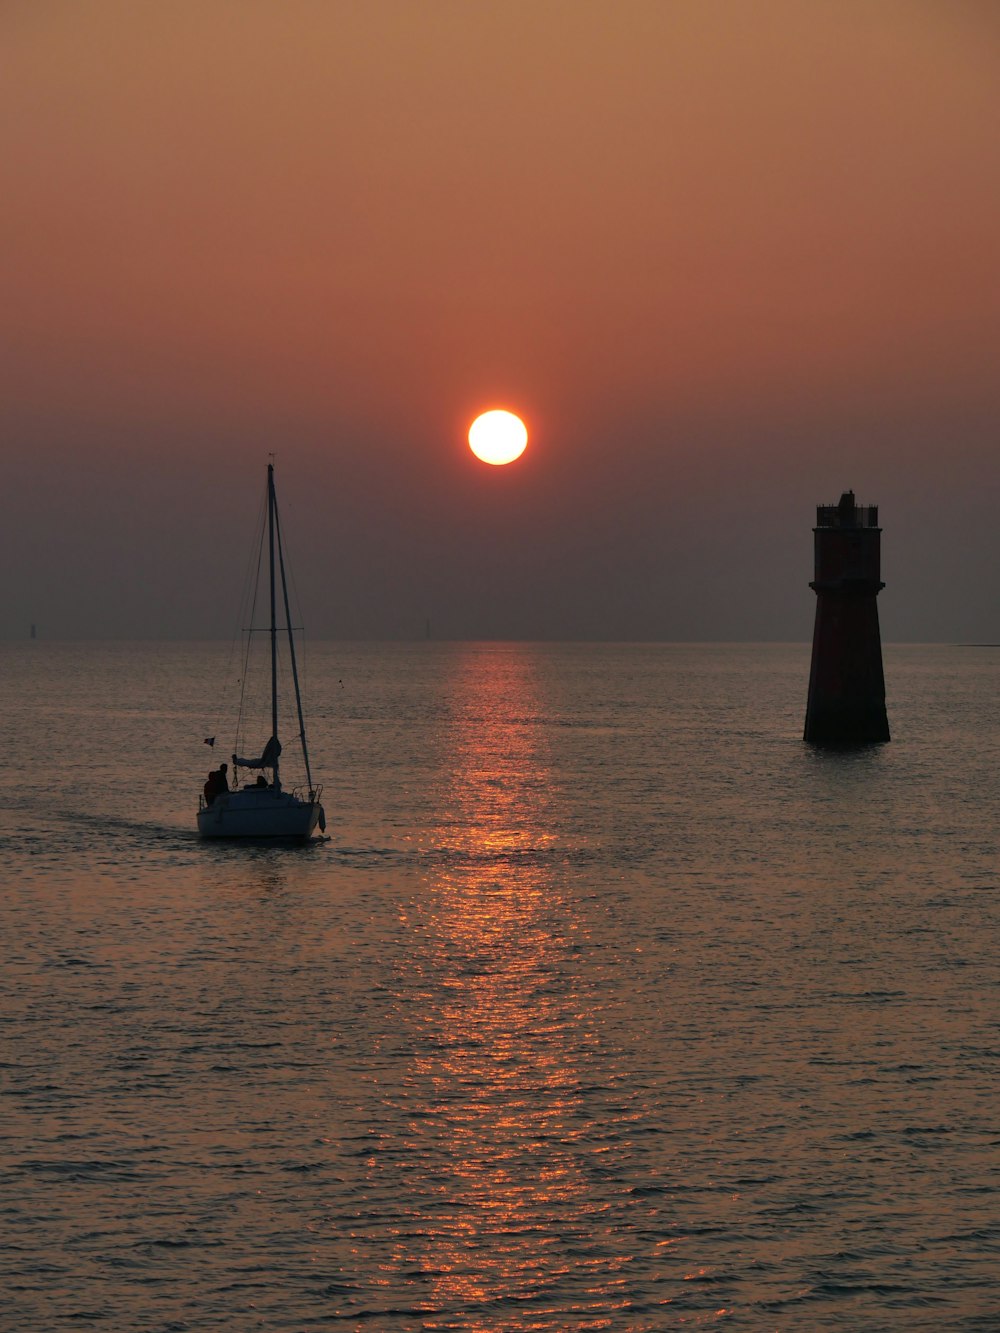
(260, 813)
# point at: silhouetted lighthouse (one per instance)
(846, 685)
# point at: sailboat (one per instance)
(263, 808)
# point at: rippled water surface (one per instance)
(606, 1004)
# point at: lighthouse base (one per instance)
(842, 726)
(846, 704)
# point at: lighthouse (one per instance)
(846, 684)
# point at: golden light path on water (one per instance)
(502, 1033)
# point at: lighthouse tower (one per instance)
(846, 685)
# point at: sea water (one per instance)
(606, 1004)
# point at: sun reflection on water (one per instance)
(499, 1112)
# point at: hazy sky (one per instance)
(727, 257)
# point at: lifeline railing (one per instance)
(847, 516)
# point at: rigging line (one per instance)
(223, 695)
(295, 600)
(252, 576)
(249, 595)
(291, 651)
(289, 546)
(297, 604)
(271, 525)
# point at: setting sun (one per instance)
(498, 437)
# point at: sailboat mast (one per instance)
(274, 623)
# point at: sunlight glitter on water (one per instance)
(497, 1042)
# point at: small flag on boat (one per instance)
(209, 740)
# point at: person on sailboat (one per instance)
(216, 784)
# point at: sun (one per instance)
(498, 437)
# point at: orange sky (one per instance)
(737, 252)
